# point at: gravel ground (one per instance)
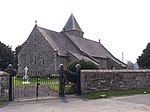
(137, 103)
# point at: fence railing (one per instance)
(34, 86)
(69, 81)
(14, 85)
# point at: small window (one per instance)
(35, 58)
(34, 40)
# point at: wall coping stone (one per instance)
(117, 71)
(2, 73)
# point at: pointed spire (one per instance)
(72, 24)
(72, 27)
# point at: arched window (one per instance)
(35, 58)
(34, 40)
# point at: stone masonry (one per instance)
(4, 85)
(35, 55)
(103, 80)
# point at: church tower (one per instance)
(72, 27)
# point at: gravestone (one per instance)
(26, 77)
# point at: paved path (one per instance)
(137, 103)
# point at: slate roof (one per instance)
(77, 45)
(72, 24)
(93, 48)
(58, 41)
(80, 57)
(89, 46)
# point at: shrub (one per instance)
(84, 65)
(72, 67)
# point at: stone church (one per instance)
(45, 49)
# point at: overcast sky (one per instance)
(121, 25)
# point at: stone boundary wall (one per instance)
(102, 80)
(4, 86)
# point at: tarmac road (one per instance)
(137, 103)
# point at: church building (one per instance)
(45, 49)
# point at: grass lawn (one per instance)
(69, 89)
(101, 94)
(2, 102)
(18, 81)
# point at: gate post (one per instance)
(61, 80)
(78, 83)
(37, 86)
(12, 73)
(10, 88)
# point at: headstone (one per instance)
(26, 77)
(26, 72)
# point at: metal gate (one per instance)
(70, 81)
(43, 86)
(37, 86)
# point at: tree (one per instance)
(135, 66)
(144, 60)
(17, 50)
(72, 67)
(6, 56)
(130, 65)
(84, 65)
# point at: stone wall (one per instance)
(4, 86)
(102, 80)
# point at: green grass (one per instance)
(100, 94)
(54, 87)
(18, 81)
(2, 102)
(69, 89)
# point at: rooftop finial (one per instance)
(36, 22)
(99, 40)
(71, 10)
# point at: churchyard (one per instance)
(93, 84)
